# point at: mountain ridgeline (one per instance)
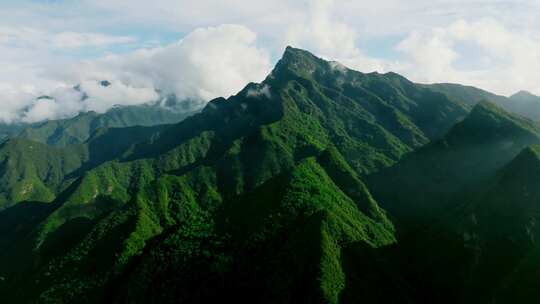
(318, 185)
(76, 130)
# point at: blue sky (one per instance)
(47, 45)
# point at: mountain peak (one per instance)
(486, 106)
(522, 175)
(104, 83)
(486, 112)
(525, 96)
(296, 53)
(528, 156)
(523, 93)
(300, 62)
(488, 122)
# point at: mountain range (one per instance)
(167, 109)
(320, 184)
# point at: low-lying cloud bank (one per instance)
(207, 63)
(87, 96)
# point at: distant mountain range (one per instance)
(319, 185)
(522, 103)
(166, 110)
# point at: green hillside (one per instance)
(235, 148)
(33, 171)
(319, 185)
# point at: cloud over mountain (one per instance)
(207, 63)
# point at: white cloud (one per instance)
(271, 18)
(338, 67)
(28, 59)
(207, 63)
(77, 40)
(37, 38)
(330, 38)
(101, 98)
(320, 32)
(259, 91)
(495, 57)
(12, 100)
(65, 102)
(430, 56)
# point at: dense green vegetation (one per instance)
(35, 171)
(319, 185)
(38, 161)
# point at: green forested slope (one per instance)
(35, 171)
(217, 165)
(318, 185)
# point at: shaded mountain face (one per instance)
(8, 130)
(505, 234)
(472, 196)
(320, 184)
(431, 179)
